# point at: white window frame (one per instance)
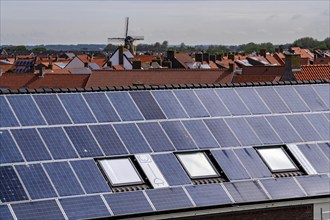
(277, 170)
(198, 177)
(123, 183)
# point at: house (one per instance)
(121, 56)
(239, 151)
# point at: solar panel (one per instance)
(36, 181)
(147, 105)
(8, 149)
(26, 111)
(246, 191)
(5, 213)
(30, 144)
(125, 106)
(63, 178)
(292, 99)
(83, 141)
(84, 207)
(272, 100)
(222, 133)
(252, 100)
(169, 198)
(321, 125)
(171, 169)
(303, 127)
(282, 188)
(311, 98)
(243, 131)
(77, 108)
(324, 92)
(206, 195)
(232, 102)
(264, 131)
(9, 120)
(284, 129)
(212, 103)
(178, 135)
(325, 147)
(315, 156)
(108, 140)
(201, 134)
(315, 185)
(128, 203)
(52, 109)
(40, 210)
(253, 163)
(230, 164)
(132, 138)
(191, 103)
(156, 137)
(90, 176)
(170, 105)
(11, 188)
(100, 105)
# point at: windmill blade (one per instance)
(138, 37)
(126, 26)
(116, 39)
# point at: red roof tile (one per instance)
(313, 72)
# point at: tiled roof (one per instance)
(304, 53)
(118, 67)
(145, 58)
(272, 60)
(84, 58)
(259, 74)
(313, 72)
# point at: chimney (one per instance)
(121, 55)
(263, 52)
(167, 64)
(136, 64)
(212, 57)
(206, 57)
(109, 63)
(86, 64)
(231, 57)
(41, 73)
(219, 56)
(199, 57)
(170, 54)
(231, 67)
(292, 65)
(157, 60)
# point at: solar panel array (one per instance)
(49, 143)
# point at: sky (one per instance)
(193, 22)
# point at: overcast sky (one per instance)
(192, 22)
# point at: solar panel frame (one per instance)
(11, 188)
(132, 138)
(77, 108)
(316, 157)
(292, 99)
(191, 103)
(5, 213)
(26, 110)
(57, 143)
(169, 198)
(90, 176)
(36, 181)
(126, 203)
(85, 207)
(8, 148)
(208, 195)
(38, 210)
(311, 98)
(272, 100)
(201, 134)
(52, 109)
(83, 141)
(222, 133)
(101, 107)
(63, 179)
(147, 105)
(10, 120)
(169, 104)
(125, 107)
(30, 144)
(315, 185)
(156, 137)
(178, 135)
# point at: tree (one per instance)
(39, 49)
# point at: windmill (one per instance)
(127, 40)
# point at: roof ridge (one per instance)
(159, 87)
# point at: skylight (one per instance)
(120, 171)
(197, 165)
(277, 159)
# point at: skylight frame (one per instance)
(195, 177)
(127, 183)
(296, 168)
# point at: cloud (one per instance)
(296, 17)
(272, 17)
